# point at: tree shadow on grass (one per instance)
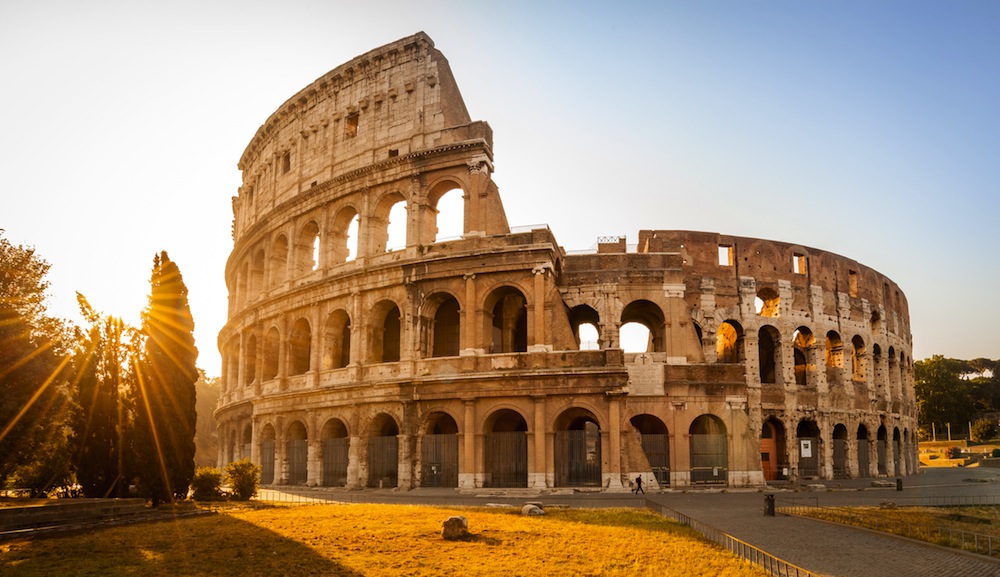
(210, 545)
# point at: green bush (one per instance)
(953, 452)
(207, 484)
(995, 453)
(983, 430)
(243, 477)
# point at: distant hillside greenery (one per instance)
(959, 393)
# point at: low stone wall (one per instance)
(64, 512)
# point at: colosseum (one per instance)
(356, 355)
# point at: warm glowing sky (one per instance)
(869, 129)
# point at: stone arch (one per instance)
(249, 359)
(344, 246)
(278, 265)
(577, 450)
(383, 452)
(257, 267)
(773, 449)
(881, 450)
(385, 332)
(446, 214)
(379, 224)
(803, 343)
(442, 325)
(505, 449)
(655, 441)
(767, 303)
(299, 348)
(840, 460)
(810, 448)
(709, 450)
(864, 466)
(297, 452)
(506, 320)
(897, 452)
(336, 446)
(769, 354)
(729, 342)
(246, 441)
(272, 345)
(337, 340)
(306, 253)
(859, 370)
(649, 315)
(586, 318)
(834, 357)
(439, 451)
(267, 454)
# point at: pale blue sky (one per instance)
(869, 129)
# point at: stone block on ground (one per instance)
(456, 527)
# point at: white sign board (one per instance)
(807, 448)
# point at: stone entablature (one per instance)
(461, 362)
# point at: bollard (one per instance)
(899, 483)
(769, 505)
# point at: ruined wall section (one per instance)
(387, 103)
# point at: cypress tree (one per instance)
(165, 415)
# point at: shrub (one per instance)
(995, 453)
(243, 477)
(983, 430)
(953, 452)
(207, 484)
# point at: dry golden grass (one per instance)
(381, 540)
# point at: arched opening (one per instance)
(655, 441)
(396, 229)
(893, 372)
(306, 253)
(834, 357)
(299, 347)
(773, 455)
(387, 225)
(876, 322)
(383, 452)
(344, 235)
(649, 316)
(858, 368)
(449, 221)
(709, 451)
(271, 346)
(802, 344)
(897, 452)
(279, 261)
(879, 375)
(729, 342)
(864, 468)
(768, 349)
(446, 327)
(257, 274)
(807, 434)
(508, 321)
(767, 302)
(584, 320)
(249, 360)
(241, 285)
(881, 448)
(247, 442)
(336, 451)
(337, 341)
(439, 452)
(505, 450)
(267, 455)
(840, 470)
(297, 449)
(577, 449)
(385, 339)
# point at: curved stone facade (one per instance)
(459, 362)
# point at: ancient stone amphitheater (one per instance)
(493, 359)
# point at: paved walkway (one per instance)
(823, 548)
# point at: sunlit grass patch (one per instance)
(365, 539)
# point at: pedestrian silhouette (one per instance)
(638, 486)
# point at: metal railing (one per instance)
(875, 520)
(769, 563)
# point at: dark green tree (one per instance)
(165, 415)
(944, 393)
(103, 361)
(34, 363)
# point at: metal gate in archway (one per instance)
(506, 459)
(808, 457)
(578, 458)
(439, 460)
(335, 458)
(267, 462)
(383, 461)
(298, 454)
(864, 468)
(657, 450)
(709, 460)
(840, 459)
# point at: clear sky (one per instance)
(868, 129)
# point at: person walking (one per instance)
(638, 486)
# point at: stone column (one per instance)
(471, 327)
(538, 464)
(354, 480)
(613, 479)
(467, 467)
(537, 337)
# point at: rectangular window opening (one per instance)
(351, 125)
(725, 255)
(852, 278)
(286, 162)
(798, 263)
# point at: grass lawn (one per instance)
(366, 539)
